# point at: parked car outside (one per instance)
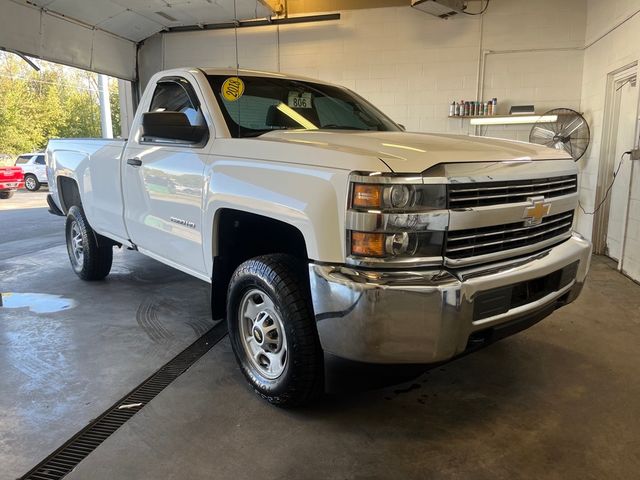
(11, 179)
(35, 170)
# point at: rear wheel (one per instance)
(272, 330)
(6, 194)
(31, 183)
(91, 255)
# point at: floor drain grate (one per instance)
(65, 458)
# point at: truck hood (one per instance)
(407, 152)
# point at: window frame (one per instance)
(186, 85)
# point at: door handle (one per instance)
(134, 162)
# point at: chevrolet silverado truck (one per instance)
(322, 226)
(11, 179)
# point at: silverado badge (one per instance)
(534, 214)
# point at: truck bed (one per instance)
(95, 164)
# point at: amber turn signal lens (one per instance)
(367, 196)
(367, 244)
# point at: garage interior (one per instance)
(559, 400)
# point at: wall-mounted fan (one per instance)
(569, 132)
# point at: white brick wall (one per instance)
(617, 49)
(412, 65)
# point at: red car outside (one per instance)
(11, 179)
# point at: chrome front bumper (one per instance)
(427, 316)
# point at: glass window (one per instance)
(268, 104)
(176, 95)
(23, 159)
(40, 160)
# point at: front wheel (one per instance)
(7, 194)
(91, 255)
(272, 330)
(31, 183)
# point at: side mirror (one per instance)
(172, 126)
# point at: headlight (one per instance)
(395, 221)
(397, 197)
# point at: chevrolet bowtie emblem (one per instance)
(534, 214)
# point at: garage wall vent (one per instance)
(64, 459)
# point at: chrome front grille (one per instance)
(466, 195)
(474, 242)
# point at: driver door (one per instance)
(163, 182)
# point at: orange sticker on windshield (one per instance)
(232, 89)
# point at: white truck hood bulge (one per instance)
(407, 152)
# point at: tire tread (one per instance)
(98, 256)
(287, 276)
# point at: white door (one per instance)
(163, 183)
(627, 96)
(40, 168)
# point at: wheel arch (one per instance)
(239, 235)
(68, 193)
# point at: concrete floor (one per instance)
(561, 400)
(69, 349)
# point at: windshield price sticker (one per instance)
(300, 100)
(232, 89)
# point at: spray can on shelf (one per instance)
(452, 109)
(490, 108)
(495, 106)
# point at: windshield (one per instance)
(255, 105)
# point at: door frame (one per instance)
(607, 163)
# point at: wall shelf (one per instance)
(507, 119)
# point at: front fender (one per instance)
(311, 199)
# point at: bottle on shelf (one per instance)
(452, 109)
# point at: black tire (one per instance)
(97, 251)
(284, 280)
(31, 183)
(7, 194)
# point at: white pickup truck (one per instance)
(323, 227)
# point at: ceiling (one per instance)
(312, 6)
(136, 20)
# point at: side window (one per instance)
(175, 115)
(40, 160)
(23, 159)
(177, 96)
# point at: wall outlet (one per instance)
(635, 154)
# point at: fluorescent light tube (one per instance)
(514, 119)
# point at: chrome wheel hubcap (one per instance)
(31, 184)
(76, 245)
(262, 334)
